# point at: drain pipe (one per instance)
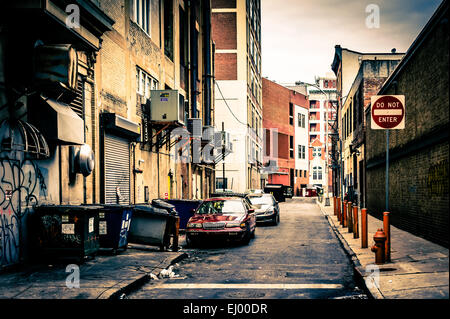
(207, 45)
(194, 58)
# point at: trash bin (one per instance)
(150, 226)
(277, 190)
(114, 225)
(184, 209)
(159, 203)
(67, 231)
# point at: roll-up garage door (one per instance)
(117, 170)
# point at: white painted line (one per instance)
(247, 286)
(387, 112)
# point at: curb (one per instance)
(372, 291)
(135, 284)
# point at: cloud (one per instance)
(298, 37)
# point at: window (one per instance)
(317, 151)
(145, 83)
(301, 152)
(140, 14)
(291, 114)
(301, 120)
(317, 172)
(221, 183)
(291, 146)
(168, 29)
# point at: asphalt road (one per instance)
(299, 258)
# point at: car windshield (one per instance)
(261, 200)
(229, 207)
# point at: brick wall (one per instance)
(225, 65)
(223, 4)
(223, 27)
(419, 154)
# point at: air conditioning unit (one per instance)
(166, 107)
(208, 133)
(218, 139)
(56, 71)
(194, 126)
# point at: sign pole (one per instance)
(387, 170)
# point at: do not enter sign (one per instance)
(388, 112)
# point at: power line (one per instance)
(229, 106)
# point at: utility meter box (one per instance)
(166, 107)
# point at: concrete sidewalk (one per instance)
(418, 268)
(100, 278)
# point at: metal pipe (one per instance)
(207, 45)
(194, 57)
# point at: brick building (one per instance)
(74, 85)
(349, 67)
(418, 154)
(322, 114)
(236, 31)
(370, 78)
(282, 111)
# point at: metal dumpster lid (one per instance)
(150, 209)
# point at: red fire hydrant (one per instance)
(378, 248)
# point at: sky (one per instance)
(298, 36)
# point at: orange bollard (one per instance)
(350, 218)
(363, 228)
(344, 222)
(334, 206)
(387, 231)
(338, 199)
(355, 222)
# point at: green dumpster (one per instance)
(67, 231)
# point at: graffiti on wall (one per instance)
(22, 183)
(437, 179)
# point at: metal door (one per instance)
(117, 170)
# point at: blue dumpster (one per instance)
(184, 208)
(114, 225)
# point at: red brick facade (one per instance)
(223, 26)
(226, 66)
(276, 105)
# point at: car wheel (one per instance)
(246, 239)
(276, 220)
(189, 242)
(253, 233)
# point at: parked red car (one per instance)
(222, 218)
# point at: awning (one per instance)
(56, 121)
(120, 125)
